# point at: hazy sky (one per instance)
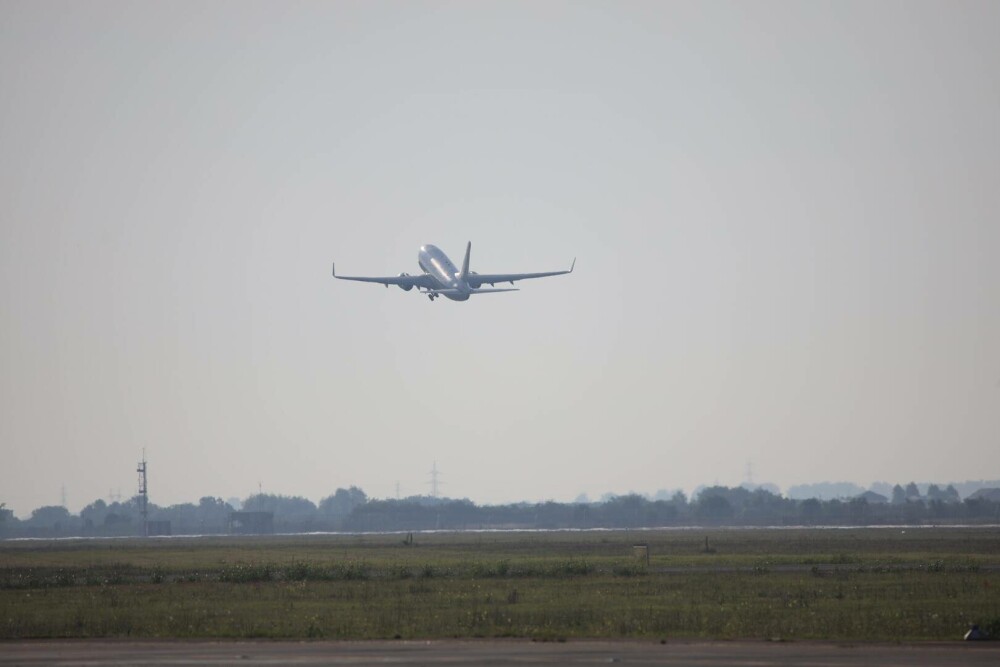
(785, 216)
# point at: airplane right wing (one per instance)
(479, 279)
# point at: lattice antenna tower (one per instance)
(435, 481)
(143, 494)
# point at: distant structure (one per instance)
(435, 482)
(986, 494)
(248, 522)
(251, 523)
(143, 495)
(873, 498)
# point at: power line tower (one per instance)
(435, 482)
(143, 495)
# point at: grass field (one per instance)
(864, 584)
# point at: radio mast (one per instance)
(143, 494)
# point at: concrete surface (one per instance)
(496, 652)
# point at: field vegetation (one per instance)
(863, 584)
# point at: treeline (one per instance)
(351, 510)
(714, 506)
(210, 516)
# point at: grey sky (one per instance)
(785, 216)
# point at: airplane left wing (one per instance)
(404, 280)
(478, 279)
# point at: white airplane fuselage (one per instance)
(435, 263)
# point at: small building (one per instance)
(251, 523)
(992, 495)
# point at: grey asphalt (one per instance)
(497, 652)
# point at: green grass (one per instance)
(920, 585)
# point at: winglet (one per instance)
(334, 265)
(571, 266)
(465, 262)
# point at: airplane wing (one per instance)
(404, 280)
(479, 279)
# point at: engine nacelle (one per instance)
(473, 282)
(405, 288)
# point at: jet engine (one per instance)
(405, 288)
(473, 283)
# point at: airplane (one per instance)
(441, 278)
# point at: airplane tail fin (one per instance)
(465, 262)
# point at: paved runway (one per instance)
(496, 652)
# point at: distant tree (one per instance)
(812, 509)
(49, 516)
(912, 492)
(281, 506)
(770, 488)
(857, 509)
(934, 492)
(898, 495)
(837, 510)
(824, 490)
(666, 494)
(94, 513)
(213, 513)
(951, 494)
(115, 519)
(713, 507)
(582, 515)
(939, 509)
(881, 488)
(679, 499)
(183, 517)
(978, 508)
(343, 501)
(625, 510)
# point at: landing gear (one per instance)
(432, 296)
